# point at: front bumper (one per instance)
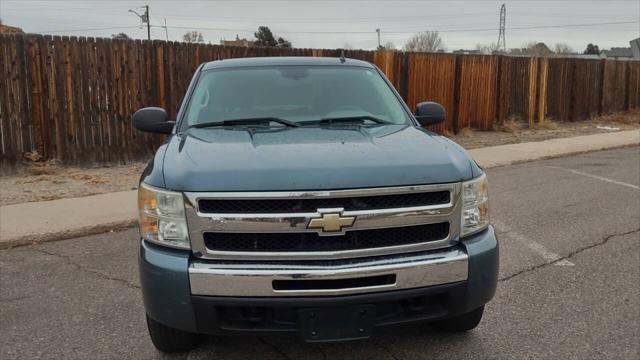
(337, 277)
(202, 297)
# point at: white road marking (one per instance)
(598, 177)
(536, 247)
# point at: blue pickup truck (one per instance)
(302, 195)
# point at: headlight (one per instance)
(162, 218)
(475, 205)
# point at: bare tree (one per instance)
(488, 48)
(193, 37)
(389, 46)
(562, 49)
(347, 46)
(533, 48)
(427, 41)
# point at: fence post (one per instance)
(500, 106)
(532, 90)
(627, 80)
(36, 93)
(404, 87)
(603, 66)
(456, 93)
(541, 94)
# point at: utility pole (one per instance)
(146, 15)
(502, 43)
(144, 18)
(378, 31)
(166, 32)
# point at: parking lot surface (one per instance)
(569, 231)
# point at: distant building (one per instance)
(622, 53)
(538, 49)
(6, 29)
(467, 52)
(635, 48)
(237, 42)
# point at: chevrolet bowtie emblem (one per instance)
(331, 222)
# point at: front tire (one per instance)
(464, 322)
(170, 340)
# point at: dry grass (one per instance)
(49, 167)
(512, 125)
(33, 156)
(448, 133)
(466, 132)
(547, 124)
(631, 117)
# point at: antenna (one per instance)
(502, 44)
(342, 59)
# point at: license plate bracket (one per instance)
(337, 323)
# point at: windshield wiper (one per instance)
(246, 121)
(347, 119)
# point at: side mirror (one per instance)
(429, 113)
(153, 120)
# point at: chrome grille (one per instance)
(279, 206)
(351, 240)
(275, 234)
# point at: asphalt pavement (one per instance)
(569, 231)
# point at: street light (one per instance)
(144, 18)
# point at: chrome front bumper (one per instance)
(257, 280)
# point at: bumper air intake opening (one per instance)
(333, 284)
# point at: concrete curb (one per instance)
(38, 222)
(34, 239)
(503, 155)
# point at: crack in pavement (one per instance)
(568, 256)
(16, 298)
(68, 260)
(275, 347)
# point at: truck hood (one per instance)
(311, 158)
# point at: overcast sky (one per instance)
(334, 24)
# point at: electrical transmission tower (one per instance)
(502, 44)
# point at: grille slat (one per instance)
(312, 242)
(273, 206)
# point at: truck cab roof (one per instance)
(285, 61)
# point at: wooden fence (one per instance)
(71, 98)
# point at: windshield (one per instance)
(296, 94)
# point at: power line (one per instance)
(115, 27)
(89, 29)
(409, 32)
(302, 20)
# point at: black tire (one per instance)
(170, 340)
(464, 322)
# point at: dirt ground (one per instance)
(49, 181)
(513, 132)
